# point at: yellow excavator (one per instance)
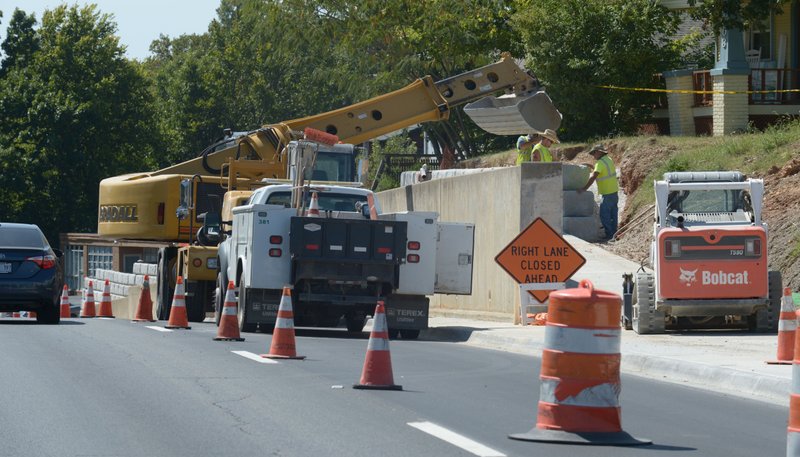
(179, 206)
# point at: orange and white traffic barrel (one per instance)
(580, 383)
(793, 431)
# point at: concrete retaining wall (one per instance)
(501, 203)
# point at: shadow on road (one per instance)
(27, 321)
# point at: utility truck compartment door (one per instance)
(454, 258)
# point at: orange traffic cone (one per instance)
(65, 310)
(787, 327)
(229, 321)
(177, 313)
(377, 372)
(105, 302)
(580, 383)
(283, 341)
(144, 310)
(87, 309)
(15, 314)
(32, 314)
(313, 207)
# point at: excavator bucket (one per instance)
(514, 115)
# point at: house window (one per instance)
(759, 36)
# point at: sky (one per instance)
(139, 22)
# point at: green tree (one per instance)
(77, 113)
(575, 46)
(188, 114)
(21, 41)
(736, 14)
(382, 46)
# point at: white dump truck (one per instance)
(340, 263)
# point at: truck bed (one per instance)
(346, 251)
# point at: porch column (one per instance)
(681, 118)
(731, 73)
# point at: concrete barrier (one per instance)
(501, 203)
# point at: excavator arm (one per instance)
(421, 101)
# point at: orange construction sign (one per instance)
(540, 255)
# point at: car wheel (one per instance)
(49, 314)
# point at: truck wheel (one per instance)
(242, 310)
(409, 334)
(766, 319)
(219, 296)
(645, 317)
(166, 282)
(393, 333)
(196, 304)
(355, 322)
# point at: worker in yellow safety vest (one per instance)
(541, 152)
(605, 173)
(525, 146)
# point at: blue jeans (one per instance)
(609, 214)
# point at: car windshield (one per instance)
(22, 237)
(327, 201)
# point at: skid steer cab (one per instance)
(709, 255)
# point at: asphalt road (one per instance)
(115, 388)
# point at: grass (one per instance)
(753, 153)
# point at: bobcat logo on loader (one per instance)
(688, 276)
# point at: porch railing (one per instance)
(703, 81)
(765, 79)
(761, 79)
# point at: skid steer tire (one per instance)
(645, 317)
(767, 318)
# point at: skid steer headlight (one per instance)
(752, 246)
(672, 248)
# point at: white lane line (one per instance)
(158, 329)
(255, 357)
(455, 439)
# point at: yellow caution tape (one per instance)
(684, 91)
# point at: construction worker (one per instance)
(607, 185)
(541, 152)
(525, 146)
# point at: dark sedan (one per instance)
(31, 273)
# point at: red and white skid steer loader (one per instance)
(709, 254)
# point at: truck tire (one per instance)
(766, 319)
(166, 282)
(242, 310)
(355, 322)
(409, 334)
(196, 303)
(645, 317)
(219, 296)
